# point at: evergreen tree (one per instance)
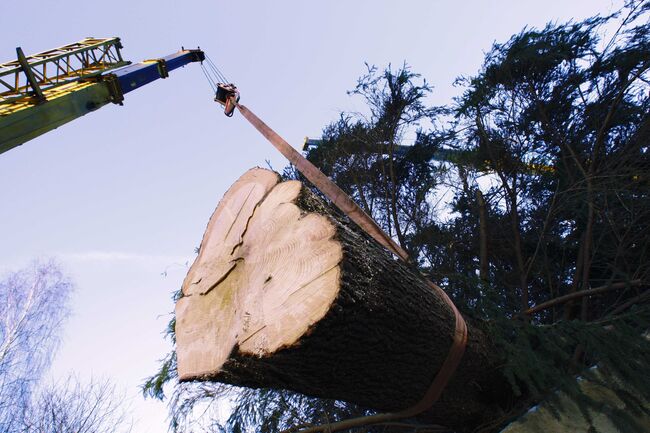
(546, 156)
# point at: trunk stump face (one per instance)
(265, 273)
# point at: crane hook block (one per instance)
(228, 96)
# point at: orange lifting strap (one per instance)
(356, 214)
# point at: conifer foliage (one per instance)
(528, 191)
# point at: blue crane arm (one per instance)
(137, 75)
(37, 106)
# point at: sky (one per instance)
(121, 197)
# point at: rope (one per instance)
(216, 70)
(213, 74)
(210, 82)
(356, 214)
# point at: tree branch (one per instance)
(580, 294)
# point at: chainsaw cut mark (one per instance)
(216, 278)
(293, 297)
(239, 211)
(252, 334)
(220, 280)
(284, 281)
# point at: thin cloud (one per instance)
(121, 256)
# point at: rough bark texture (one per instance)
(380, 343)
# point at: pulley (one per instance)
(228, 96)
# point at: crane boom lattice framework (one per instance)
(43, 91)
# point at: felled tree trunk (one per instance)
(287, 293)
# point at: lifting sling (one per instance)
(228, 96)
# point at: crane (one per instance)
(43, 91)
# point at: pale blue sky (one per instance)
(124, 193)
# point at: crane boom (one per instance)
(43, 91)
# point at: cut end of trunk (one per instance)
(266, 271)
(287, 293)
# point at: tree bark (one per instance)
(288, 293)
(484, 264)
